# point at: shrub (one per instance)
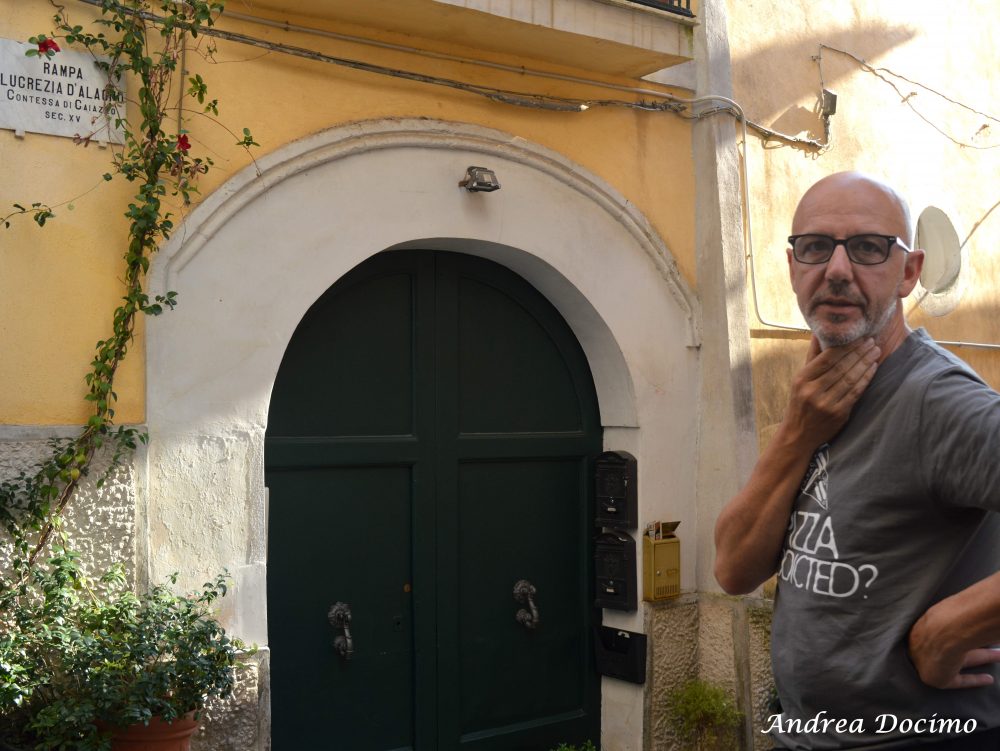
(704, 717)
(74, 652)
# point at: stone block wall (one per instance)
(100, 521)
(722, 640)
(761, 678)
(239, 723)
(672, 661)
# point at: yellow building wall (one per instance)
(947, 48)
(59, 284)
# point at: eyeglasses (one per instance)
(866, 250)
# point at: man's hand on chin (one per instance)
(826, 388)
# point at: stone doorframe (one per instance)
(252, 258)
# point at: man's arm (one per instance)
(750, 529)
(953, 634)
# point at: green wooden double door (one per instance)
(427, 449)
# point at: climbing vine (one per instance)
(139, 44)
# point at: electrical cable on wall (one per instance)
(669, 103)
(882, 74)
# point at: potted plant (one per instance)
(89, 665)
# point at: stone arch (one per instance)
(253, 257)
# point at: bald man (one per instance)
(875, 503)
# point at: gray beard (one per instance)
(866, 326)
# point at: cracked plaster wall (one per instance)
(193, 482)
(206, 514)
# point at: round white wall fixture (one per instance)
(937, 237)
(940, 277)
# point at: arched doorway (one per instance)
(427, 448)
(252, 258)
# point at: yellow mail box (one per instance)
(661, 568)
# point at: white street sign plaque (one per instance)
(64, 95)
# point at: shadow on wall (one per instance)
(971, 323)
(778, 355)
(779, 83)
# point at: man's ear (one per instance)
(788, 253)
(913, 264)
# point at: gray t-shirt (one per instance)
(894, 514)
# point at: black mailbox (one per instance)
(615, 476)
(620, 654)
(614, 571)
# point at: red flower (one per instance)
(183, 144)
(47, 45)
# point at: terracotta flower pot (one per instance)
(157, 736)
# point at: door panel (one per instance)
(428, 446)
(504, 351)
(509, 673)
(374, 688)
(366, 328)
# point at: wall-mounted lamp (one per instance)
(480, 180)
